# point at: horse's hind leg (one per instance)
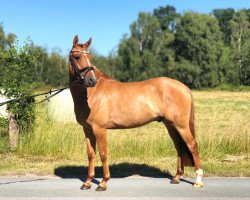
(91, 151)
(177, 142)
(192, 145)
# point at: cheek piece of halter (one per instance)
(78, 71)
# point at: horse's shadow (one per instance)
(121, 170)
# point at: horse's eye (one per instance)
(76, 57)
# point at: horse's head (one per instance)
(80, 61)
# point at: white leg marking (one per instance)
(198, 182)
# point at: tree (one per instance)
(129, 62)
(5, 42)
(105, 64)
(146, 52)
(167, 17)
(51, 68)
(17, 67)
(136, 60)
(199, 41)
(240, 45)
(224, 16)
(144, 30)
(57, 69)
(187, 72)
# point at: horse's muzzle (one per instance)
(90, 81)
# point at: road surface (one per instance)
(122, 188)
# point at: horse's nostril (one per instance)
(92, 81)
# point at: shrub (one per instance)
(18, 74)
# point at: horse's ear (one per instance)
(75, 41)
(88, 43)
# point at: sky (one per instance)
(54, 23)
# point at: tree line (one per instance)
(47, 69)
(201, 50)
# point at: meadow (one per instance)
(222, 130)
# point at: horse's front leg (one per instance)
(91, 151)
(101, 139)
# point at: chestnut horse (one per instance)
(101, 103)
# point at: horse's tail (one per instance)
(186, 157)
(191, 119)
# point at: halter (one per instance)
(77, 71)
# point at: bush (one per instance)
(18, 74)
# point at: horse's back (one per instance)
(160, 86)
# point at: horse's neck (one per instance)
(100, 77)
(99, 74)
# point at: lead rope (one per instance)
(57, 91)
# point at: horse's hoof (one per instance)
(198, 185)
(174, 181)
(86, 186)
(100, 188)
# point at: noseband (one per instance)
(78, 71)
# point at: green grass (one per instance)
(222, 129)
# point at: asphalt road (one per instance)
(122, 188)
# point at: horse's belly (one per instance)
(131, 124)
(133, 117)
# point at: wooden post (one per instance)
(13, 132)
